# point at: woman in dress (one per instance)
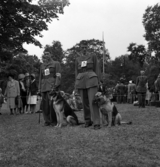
(32, 100)
(12, 93)
(23, 93)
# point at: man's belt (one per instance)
(82, 70)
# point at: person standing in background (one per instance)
(32, 99)
(157, 86)
(23, 93)
(141, 88)
(27, 82)
(121, 89)
(1, 100)
(131, 92)
(12, 92)
(148, 95)
(117, 92)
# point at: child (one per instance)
(1, 100)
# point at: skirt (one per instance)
(32, 99)
(11, 102)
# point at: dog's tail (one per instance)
(128, 123)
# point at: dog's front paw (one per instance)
(109, 126)
(57, 125)
(60, 126)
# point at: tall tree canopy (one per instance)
(151, 22)
(138, 53)
(21, 21)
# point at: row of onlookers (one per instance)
(21, 94)
(128, 93)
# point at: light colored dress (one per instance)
(12, 90)
(32, 99)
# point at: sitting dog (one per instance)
(69, 99)
(64, 113)
(108, 110)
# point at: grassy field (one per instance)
(25, 143)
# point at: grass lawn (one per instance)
(25, 143)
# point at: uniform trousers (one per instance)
(91, 111)
(49, 114)
(141, 99)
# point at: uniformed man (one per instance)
(87, 80)
(131, 91)
(121, 89)
(141, 88)
(50, 79)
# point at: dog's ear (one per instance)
(98, 94)
(53, 94)
(95, 100)
(62, 93)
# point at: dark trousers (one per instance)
(133, 97)
(141, 99)
(121, 98)
(24, 101)
(49, 114)
(91, 110)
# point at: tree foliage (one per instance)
(151, 22)
(21, 21)
(138, 53)
(122, 66)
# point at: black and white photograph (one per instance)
(79, 83)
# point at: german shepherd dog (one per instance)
(64, 113)
(108, 110)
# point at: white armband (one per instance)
(58, 75)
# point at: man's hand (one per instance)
(76, 92)
(39, 93)
(54, 89)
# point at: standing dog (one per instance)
(64, 113)
(108, 110)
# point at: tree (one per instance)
(56, 51)
(151, 22)
(21, 21)
(122, 66)
(138, 53)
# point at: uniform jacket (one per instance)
(87, 71)
(121, 89)
(141, 84)
(12, 89)
(50, 76)
(22, 91)
(132, 88)
(157, 84)
(33, 88)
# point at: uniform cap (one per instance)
(33, 75)
(27, 74)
